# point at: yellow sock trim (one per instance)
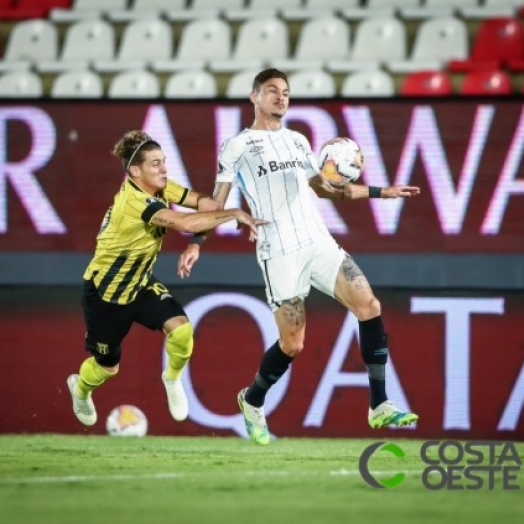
(179, 346)
(91, 376)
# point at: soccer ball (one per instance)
(341, 161)
(126, 421)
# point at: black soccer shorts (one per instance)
(108, 324)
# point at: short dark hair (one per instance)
(266, 75)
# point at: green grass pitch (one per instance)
(96, 480)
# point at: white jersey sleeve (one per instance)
(311, 166)
(229, 156)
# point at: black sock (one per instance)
(374, 348)
(377, 392)
(273, 365)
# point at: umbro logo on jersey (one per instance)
(261, 171)
(254, 142)
(256, 150)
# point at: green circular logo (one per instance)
(363, 465)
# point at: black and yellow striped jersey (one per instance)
(127, 243)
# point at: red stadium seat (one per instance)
(27, 9)
(426, 83)
(490, 83)
(499, 43)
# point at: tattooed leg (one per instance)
(294, 312)
(353, 274)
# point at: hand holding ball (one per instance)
(341, 161)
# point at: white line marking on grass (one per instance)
(178, 476)
(354, 473)
(88, 478)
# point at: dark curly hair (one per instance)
(131, 146)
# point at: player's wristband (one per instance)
(197, 239)
(375, 192)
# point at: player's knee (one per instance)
(292, 349)
(109, 363)
(180, 341)
(369, 308)
(101, 368)
(112, 370)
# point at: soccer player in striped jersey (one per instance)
(119, 286)
(275, 169)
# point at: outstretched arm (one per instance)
(197, 222)
(324, 189)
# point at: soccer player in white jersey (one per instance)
(275, 167)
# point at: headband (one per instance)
(135, 151)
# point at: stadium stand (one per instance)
(437, 41)
(77, 84)
(312, 83)
(145, 9)
(364, 47)
(85, 42)
(20, 84)
(86, 9)
(198, 9)
(486, 83)
(30, 41)
(427, 83)
(29, 9)
(379, 40)
(134, 84)
(367, 84)
(320, 40)
(201, 42)
(240, 83)
(143, 41)
(499, 43)
(191, 84)
(311, 9)
(257, 41)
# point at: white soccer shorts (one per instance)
(291, 276)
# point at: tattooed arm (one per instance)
(196, 222)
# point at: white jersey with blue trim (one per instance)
(272, 169)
